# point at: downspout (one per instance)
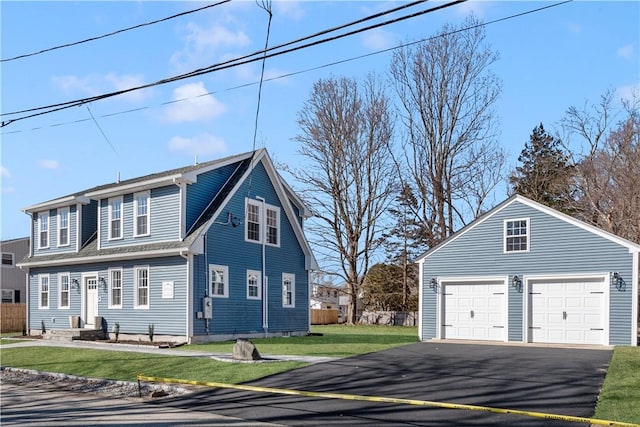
(189, 322)
(265, 290)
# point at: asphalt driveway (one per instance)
(554, 380)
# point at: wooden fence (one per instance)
(13, 317)
(324, 317)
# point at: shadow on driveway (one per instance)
(553, 380)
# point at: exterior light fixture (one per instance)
(433, 283)
(516, 282)
(103, 283)
(618, 281)
(74, 284)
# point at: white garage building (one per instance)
(524, 272)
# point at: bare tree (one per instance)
(451, 156)
(347, 177)
(608, 170)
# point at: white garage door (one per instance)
(567, 311)
(474, 311)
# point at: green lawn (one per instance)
(619, 398)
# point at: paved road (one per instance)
(46, 406)
(555, 380)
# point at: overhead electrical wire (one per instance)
(80, 102)
(227, 64)
(27, 55)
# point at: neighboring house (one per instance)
(13, 280)
(206, 252)
(324, 297)
(524, 272)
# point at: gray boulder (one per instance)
(245, 350)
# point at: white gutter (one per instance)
(189, 318)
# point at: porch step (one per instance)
(74, 334)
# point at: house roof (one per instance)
(516, 198)
(90, 253)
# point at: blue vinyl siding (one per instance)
(164, 207)
(167, 315)
(556, 247)
(53, 233)
(201, 193)
(226, 246)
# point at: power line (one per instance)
(26, 55)
(246, 59)
(292, 73)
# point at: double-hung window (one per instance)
(254, 284)
(219, 278)
(288, 290)
(516, 235)
(63, 227)
(262, 226)
(43, 228)
(141, 214)
(43, 288)
(115, 218)
(115, 288)
(7, 259)
(142, 287)
(63, 288)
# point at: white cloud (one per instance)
(8, 189)
(627, 52)
(477, 8)
(199, 145)
(207, 44)
(4, 172)
(96, 84)
(628, 92)
(289, 9)
(49, 164)
(379, 39)
(193, 104)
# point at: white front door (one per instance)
(567, 311)
(91, 301)
(474, 311)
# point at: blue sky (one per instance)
(550, 60)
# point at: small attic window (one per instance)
(516, 235)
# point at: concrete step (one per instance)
(71, 334)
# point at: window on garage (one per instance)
(516, 235)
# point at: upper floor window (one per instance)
(115, 288)
(219, 278)
(142, 287)
(63, 226)
(115, 218)
(7, 259)
(262, 227)
(43, 288)
(43, 230)
(63, 287)
(516, 235)
(254, 285)
(9, 296)
(288, 290)
(141, 214)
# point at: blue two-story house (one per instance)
(207, 252)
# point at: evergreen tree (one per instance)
(545, 173)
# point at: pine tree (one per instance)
(545, 173)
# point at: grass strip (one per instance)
(620, 395)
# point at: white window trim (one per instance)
(259, 275)
(40, 216)
(60, 276)
(68, 228)
(136, 304)
(146, 194)
(13, 260)
(225, 273)
(110, 271)
(109, 217)
(292, 278)
(262, 222)
(13, 295)
(40, 277)
(278, 225)
(504, 235)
